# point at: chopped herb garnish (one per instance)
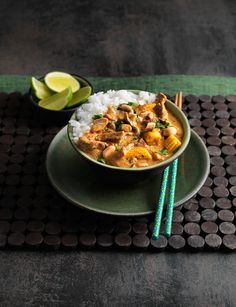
(101, 160)
(163, 152)
(162, 125)
(132, 104)
(97, 116)
(118, 124)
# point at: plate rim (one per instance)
(84, 206)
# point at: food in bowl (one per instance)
(127, 130)
(60, 91)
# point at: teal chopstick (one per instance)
(171, 200)
(160, 205)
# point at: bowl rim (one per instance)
(165, 163)
(63, 110)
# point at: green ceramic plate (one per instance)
(73, 178)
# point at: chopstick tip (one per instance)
(154, 237)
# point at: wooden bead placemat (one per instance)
(34, 216)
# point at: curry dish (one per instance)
(133, 135)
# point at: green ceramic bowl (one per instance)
(132, 175)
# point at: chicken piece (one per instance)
(157, 157)
(127, 140)
(160, 107)
(147, 115)
(111, 113)
(90, 146)
(120, 114)
(113, 137)
(141, 163)
(99, 124)
(108, 151)
(132, 123)
(111, 125)
(115, 157)
(126, 128)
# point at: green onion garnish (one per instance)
(97, 116)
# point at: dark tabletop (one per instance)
(120, 38)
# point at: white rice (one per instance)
(98, 104)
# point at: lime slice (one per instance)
(41, 91)
(57, 101)
(80, 96)
(58, 81)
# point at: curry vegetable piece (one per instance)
(172, 143)
(139, 153)
(162, 124)
(152, 137)
(101, 160)
(97, 116)
(163, 151)
(150, 106)
(118, 124)
(132, 104)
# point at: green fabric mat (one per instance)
(169, 84)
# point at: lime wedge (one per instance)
(57, 101)
(80, 96)
(58, 81)
(41, 91)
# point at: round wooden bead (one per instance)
(123, 227)
(105, 240)
(18, 226)
(16, 239)
(140, 228)
(192, 229)
(176, 243)
(34, 239)
(195, 242)
(191, 205)
(226, 215)
(213, 241)
(123, 240)
(69, 241)
(223, 203)
(160, 244)
(204, 99)
(141, 241)
(87, 240)
(53, 228)
(192, 216)
(229, 242)
(209, 227)
(177, 229)
(3, 241)
(209, 215)
(227, 228)
(52, 242)
(207, 203)
(178, 216)
(35, 226)
(4, 227)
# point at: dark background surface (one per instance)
(116, 38)
(104, 38)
